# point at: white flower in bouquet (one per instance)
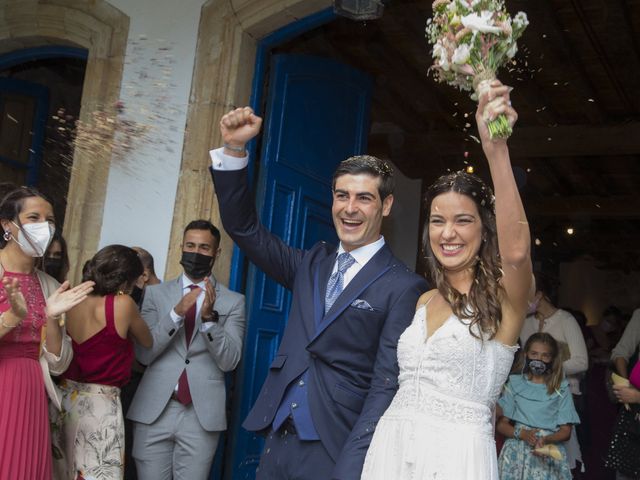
(441, 56)
(471, 40)
(520, 21)
(482, 22)
(461, 54)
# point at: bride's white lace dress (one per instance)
(440, 423)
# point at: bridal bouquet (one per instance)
(471, 40)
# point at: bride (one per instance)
(457, 353)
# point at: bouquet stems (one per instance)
(498, 127)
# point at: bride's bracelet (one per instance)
(6, 325)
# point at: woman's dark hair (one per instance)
(6, 188)
(11, 205)
(113, 268)
(41, 262)
(482, 304)
(547, 285)
(554, 378)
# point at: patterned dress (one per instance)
(531, 406)
(440, 423)
(25, 451)
(90, 428)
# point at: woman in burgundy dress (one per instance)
(101, 328)
(31, 337)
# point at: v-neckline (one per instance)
(426, 326)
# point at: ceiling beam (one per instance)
(604, 50)
(526, 142)
(622, 206)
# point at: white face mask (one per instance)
(39, 236)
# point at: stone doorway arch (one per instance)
(102, 30)
(228, 37)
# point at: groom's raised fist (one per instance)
(238, 127)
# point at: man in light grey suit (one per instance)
(198, 327)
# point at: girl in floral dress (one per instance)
(537, 410)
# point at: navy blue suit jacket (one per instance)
(350, 353)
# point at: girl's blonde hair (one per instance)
(552, 379)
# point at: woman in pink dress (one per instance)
(27, 317)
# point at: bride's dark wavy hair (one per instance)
(482, 305)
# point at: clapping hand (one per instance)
(186, 302)
(209, 300)
(65, 298)
(15, 297)
(493, 102)
(239, 126)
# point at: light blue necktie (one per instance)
(335, 285)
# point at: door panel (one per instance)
(317, 115)
(23, 116)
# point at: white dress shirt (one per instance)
(221, 161)
(361, 256)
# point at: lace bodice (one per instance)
(29, 330)
(452, 375)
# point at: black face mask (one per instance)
(53, 266)
(537, 367)
(196, 265)
(137, 294)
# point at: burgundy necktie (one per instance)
(184, 394)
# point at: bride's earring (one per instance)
(7, 236)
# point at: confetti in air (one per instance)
(143, 123)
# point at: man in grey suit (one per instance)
(198, 327)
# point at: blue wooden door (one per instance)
(317, 115)
(24, 108)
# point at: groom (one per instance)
(336, 370)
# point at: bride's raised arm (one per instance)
(514, 239)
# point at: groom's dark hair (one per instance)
(369, 165)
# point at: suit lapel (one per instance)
(374, 269)
(173, 297)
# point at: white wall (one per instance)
(400, 229)
(155, 91)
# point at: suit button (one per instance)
(313, 355)
(187, 361)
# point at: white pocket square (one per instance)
(362, 304)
